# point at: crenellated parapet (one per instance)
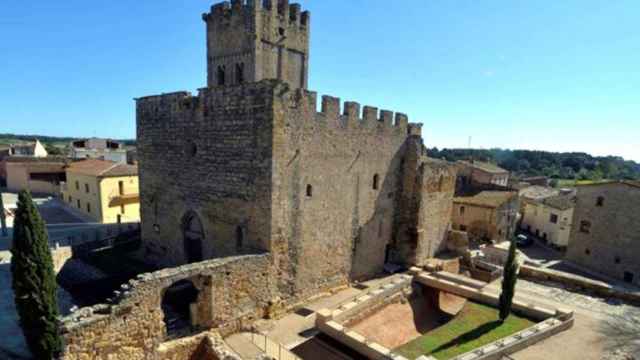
(352, 114)
(248, 41)
(280, 11)
(161, 106)
(328, 110)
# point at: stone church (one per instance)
(248, 165)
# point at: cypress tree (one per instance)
(34, 281)
(510, 276)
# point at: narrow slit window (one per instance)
(240, 73)
(221, 75)
(376, 181)
(309, 191)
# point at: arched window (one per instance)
(221, 74)
(176, 307)
(600, 201)
(239, 237)
(376, 181)
(309, 191)
(240, 73)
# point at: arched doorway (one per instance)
(193, 237)
(176, 307)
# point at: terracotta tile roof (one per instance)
(484, 166)
(102, 168)
(31, 159)
(486, 198)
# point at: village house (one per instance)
(605, 235)
(104, 190)
(95, 148)
(486, 216)
(34, 149)
(481, 175)
(36, 174)
(550, 219)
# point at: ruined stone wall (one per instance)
(608, 242)
(232, 293)
(331, 222)
(209, 156)
(424, 205)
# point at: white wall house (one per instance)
(101, 149)
(550, 219)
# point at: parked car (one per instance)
(523, 240)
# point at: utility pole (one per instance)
(3, 220)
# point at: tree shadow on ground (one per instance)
(622, 333)
(469, 336)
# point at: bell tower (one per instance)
(252, 40)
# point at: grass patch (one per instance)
(564, 183)
(474, 326)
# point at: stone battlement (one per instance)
(332, 109)
(280, 10)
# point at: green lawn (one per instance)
(474, 326)
(562, 183)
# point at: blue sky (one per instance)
(548, 75)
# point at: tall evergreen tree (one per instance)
(510, 276)
(34, 282)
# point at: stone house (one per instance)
(103, 190)
(605, 234)
(550, 219)
(486, 216)
(480, 174)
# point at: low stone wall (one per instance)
(518, 341)
(60, 255)
(232, 293)
(519, 306)
(205, 346)
(332, 322)
(600, 288)
(357, 342)
(552, 322)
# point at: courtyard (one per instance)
(476, 325)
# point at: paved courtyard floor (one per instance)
(594, 335)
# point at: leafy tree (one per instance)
(510, 276)
(53, 150)
(34, 282)
(562, 165)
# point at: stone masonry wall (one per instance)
(611, 242)
(424, 205)
(335, 181)
(210, 156)
(233, 293)
(267, 40)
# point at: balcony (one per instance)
(123, 199)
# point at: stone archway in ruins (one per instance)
(193, 234)
(177, 301)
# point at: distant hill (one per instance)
(573, 165)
